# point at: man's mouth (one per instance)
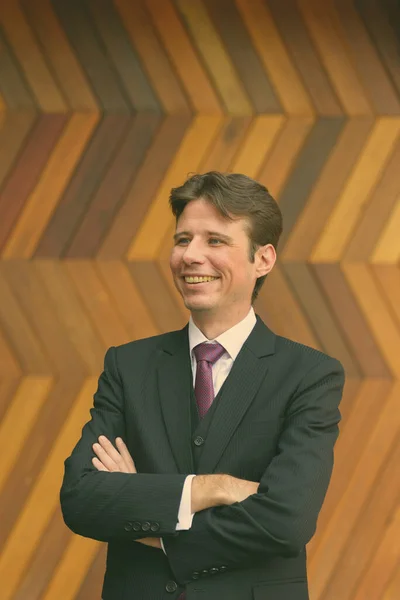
(205, 279)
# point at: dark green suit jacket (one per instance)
(276, 422)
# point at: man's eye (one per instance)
(215, 240)
(181, 240)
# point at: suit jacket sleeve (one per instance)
(115, 506)
(281, 517)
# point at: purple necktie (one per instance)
(206, 355)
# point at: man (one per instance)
(209, 450)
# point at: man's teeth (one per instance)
(199, 279)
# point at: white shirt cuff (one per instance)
(185, 515)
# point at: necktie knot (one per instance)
(208, 352)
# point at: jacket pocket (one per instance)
(285, 590)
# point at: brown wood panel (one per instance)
(104, 106)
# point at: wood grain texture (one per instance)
(104, 107)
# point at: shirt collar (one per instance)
(232, 339)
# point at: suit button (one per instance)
(155, 526)
(145, 526)
(171, 586)
(198, 440)
(128, 526)
(214, 571)
(137, 526)
(195, 575)
(223, 569)
(204, 572)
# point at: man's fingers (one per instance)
(98, 464)
(105, 458)
(126, 454)
(111, 451)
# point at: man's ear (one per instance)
(265, 259)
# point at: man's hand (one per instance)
(118, 459)
(218, 489)
(111, 459)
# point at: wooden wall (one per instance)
(104, 106)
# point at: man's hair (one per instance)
(238, 195)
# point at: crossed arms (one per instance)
(278, 519)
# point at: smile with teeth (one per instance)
(199, 279)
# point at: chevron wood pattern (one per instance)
(107, 104)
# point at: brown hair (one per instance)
(239, 195)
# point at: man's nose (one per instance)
(193, 253)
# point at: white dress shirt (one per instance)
(232, 340)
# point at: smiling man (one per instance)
(210, 449)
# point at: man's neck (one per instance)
(212, 325)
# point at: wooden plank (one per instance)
(19, 332)
(165, 311)
(387, 249)
(71, 570)
(44, 198)
(388, 280)
(352, 322)
(112, 190)
(44, 497)
(189, 156)
(152, 54)
(217, 60)
(376, 312)
(322, 23)
(32, 297)
(257, 144)
(384, 563)
(130, 305)
(22, 412)
(366, 402)
(72, 313)
(274, 56)
(380, 27)
(14, 129)
(279, 308)
(377, 213)
(92, 585)
(366, 59)
(123, 57)
(27, 169)
(97, 302)
(144, 187)
(67, 70)
(370, 528)
(306, 170)
(318, 310)
(34, 581)
(173, 35)
(85, 180)
(311, 222)
(227, 144)
(83, 37)
(31, 59)
(360, 487)
(304, 57)
(37, 447)
(350, 205)
(13, 87)
(242, 53)
(283, 155)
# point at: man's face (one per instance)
(209, 245)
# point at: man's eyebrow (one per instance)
(216, 233)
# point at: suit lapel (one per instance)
(174, 384)
(239, 390)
